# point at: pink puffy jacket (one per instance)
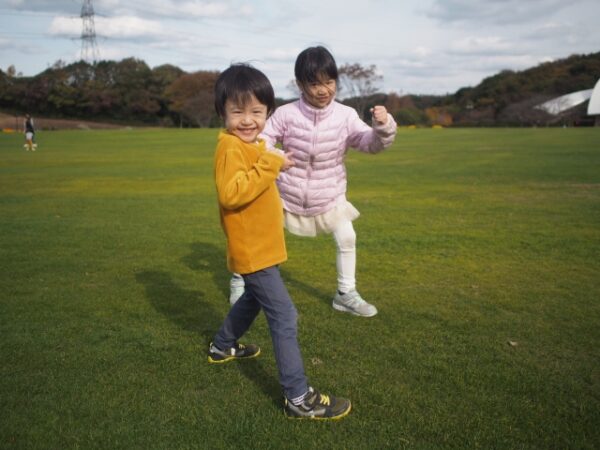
(318, 140)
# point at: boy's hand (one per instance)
(379, 114)
(287, 162)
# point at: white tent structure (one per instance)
(568, 101)
(564, 102)
(594, 105)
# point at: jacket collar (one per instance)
(315, 114)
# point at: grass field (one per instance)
(481, 249)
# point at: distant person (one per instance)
(29, 128)
(316, 132)
(251, 217)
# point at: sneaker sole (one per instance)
(351, 311)
(339, 416)
(231, 358)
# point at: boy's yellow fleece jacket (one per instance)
(249, 204)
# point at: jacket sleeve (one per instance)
(236, 185)
(273, 132)
(370, 140)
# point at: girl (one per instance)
(316, 132)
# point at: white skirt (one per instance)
(323, 223)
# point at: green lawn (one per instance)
(480, 248)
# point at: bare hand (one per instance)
(379, 114)
(287, 162)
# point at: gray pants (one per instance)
(265, 289)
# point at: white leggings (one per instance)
(345, 240)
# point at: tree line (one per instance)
(126, 91)
(129, 91)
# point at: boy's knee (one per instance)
(287, 318)
(290, 314)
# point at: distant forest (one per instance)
(130, 92)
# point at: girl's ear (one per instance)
(300, 86)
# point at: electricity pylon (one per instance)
(89, 48)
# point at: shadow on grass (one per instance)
(186, 308)
(190, 310)
(210, 258)
(306, 288)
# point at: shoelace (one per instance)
(324, 400)
(320, 399)
(356, 301)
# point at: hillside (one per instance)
(130, 92)
(509, 97)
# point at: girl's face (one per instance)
(245, 121)
(319, 93)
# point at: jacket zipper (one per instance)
(311, 158)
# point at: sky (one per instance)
(418, 46)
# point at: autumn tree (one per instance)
(438, 116)
(359, 83)
(191, 97)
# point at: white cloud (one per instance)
(5, 43)
(61, 6)
(497, 12)
(280, 54)
(474, 45)
(113, 27)
(65, 26)
(128, 27)
(422, 52)
(188, 9)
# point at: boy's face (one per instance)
(245, 121)
(319, 93)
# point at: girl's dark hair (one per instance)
(314, 62)
(238, 83)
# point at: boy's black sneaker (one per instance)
(238, 351)
(318, 406)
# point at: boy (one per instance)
(252, 219)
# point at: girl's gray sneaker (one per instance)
(318, 406)
(353, 303)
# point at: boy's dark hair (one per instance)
(238, 83)
(314, 62)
